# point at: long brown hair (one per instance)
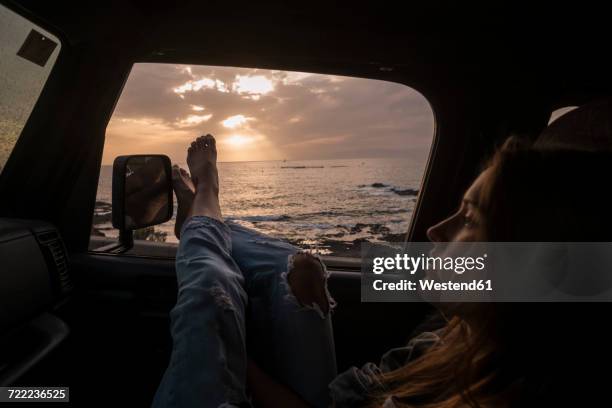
(542, 194)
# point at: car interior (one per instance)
(91, 319)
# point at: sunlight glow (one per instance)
(235, 121)
(238, 140)
(197, 108)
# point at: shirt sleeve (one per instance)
(352, 387)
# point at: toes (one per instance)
(210, 143)
(201, 142)
(210, 140)
(179, 171)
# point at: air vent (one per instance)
(57, 259)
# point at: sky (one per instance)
(258, 114)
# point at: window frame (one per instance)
(62, 41)
(336, 263)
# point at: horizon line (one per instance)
(288, 160)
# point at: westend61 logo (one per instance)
(412, 264)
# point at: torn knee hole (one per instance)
(307, 279)
(221, 298)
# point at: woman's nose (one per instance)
(432, 233)
(437, 233)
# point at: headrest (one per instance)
(588, 127)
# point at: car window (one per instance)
(557, 113)
(324, 162)
(27, 54)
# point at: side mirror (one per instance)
(142, 195)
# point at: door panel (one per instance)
(120, 327)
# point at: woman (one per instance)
(488, 355)
(506, 354)
(240, 290)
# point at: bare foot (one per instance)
(185, 191)
(202, 162)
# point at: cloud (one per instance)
(194, 86)
(199, 84)
(281, 114)
(192, 120)
(252, 85)
(235, 121)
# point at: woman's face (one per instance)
(467, 224)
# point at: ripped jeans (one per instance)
(234, 299)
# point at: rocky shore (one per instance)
(341, 243)
(334, 245)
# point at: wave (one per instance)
(319, 214)
(391, 189)
(261, 218)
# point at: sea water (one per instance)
(327, 206)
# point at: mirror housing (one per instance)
(142, 195)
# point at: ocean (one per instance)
(325, 206)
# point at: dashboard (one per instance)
(34, 276)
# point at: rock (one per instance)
(102, 218)
(103, 205)
(394, 237)
(358, 228)
(96, 232)
(378, 229)
(406, 192)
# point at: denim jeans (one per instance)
(234, 300)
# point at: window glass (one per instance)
(560, 112)
(325, 162)
(27, 54)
